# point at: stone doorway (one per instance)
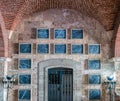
(51, 64)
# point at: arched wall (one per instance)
(2, 50)
(68, 19)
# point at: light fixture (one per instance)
(111, 82)
(8, 83)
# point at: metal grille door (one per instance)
(60, 84)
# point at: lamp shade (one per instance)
(110, 78)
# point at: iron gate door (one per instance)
(60, 84)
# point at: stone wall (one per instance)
(67, 19)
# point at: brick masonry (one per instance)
(68, 19)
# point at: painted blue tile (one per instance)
(60, 33)
(77, 49)
(94, 79)
(24, 94)
(94, 64)
(94, 94)
(43, 48)
(61, 48)
(25, 48)
(43, 33)
(94, 49)
(77, 34)
(25, 63)
(24, 79)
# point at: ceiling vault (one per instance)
(104, 11)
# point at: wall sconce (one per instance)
(111, 82)
(8, 83)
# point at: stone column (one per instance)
(1, 77)
(4, 71)
(117, 71)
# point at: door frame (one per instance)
(43, 67)
(60, 78)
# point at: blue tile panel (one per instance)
(77, 49)
(94, 79)
(60, 33)
(24, 94)
(94, 64)
(77, 34)
(25, 48)
(43, 48)
(25, 63)
(94, 94)
(94, 49)
(25, 79)
(43, 33)
(60, 48)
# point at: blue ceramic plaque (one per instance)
(43, 48)
(94, 49)
(43, 33)
(77, 34)
(24, 94)
(60, 48)
(77, 49)
(94, 79)
(94, 64)
(24, 79)
(94, 94)
(25, 48)
(25, 63)
(60, 33)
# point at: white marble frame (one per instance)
(43, 67)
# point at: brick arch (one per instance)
(1, 44)
(117, 40)
(3, 38)
(28, 7)
(117, 43)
